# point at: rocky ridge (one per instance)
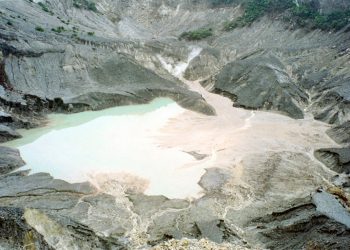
(72, 69)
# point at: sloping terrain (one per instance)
(75, 55)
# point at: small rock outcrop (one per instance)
(10, 160)
(76, 55)
(337, 159)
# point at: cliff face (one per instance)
(77, 45)
(73, 55)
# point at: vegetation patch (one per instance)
(74, 35)
(45, 8)
(307, 15)
(303, 15)
(254, 9)
(217, 3)
(198, 34)
(40, 29)
(58, 29)
(85, 4)
(63, 21)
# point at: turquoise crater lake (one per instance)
(114, 144)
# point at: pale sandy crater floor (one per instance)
(163, 149)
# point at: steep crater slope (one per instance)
(70, 56)
(58, 57)
(313, 64)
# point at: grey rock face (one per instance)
(17, 232)
(337, 159)
(299, 227)
(77, 216)
(96, 82)
(328, 204)
(197, 156)
(5, 117)
(81, 68)
(340, 133)
(205, 65)
(264, 66)
(214, 179)
(261, 83)
(47, 202)
(7, 134)
(196, 221)
(72, 71)
(10, 160)
(332, 99)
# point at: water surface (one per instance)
(113, 144)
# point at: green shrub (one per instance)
(308, 15)
(65, 22)
(58, 29)
(40, 29)
(85, 4)
(45, 8)
(333, 21)
(91, 33)
(304, 14)
(253, 10)
(92, 6)
(198, 34)
(216, 3)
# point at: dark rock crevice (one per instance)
(17, 233)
